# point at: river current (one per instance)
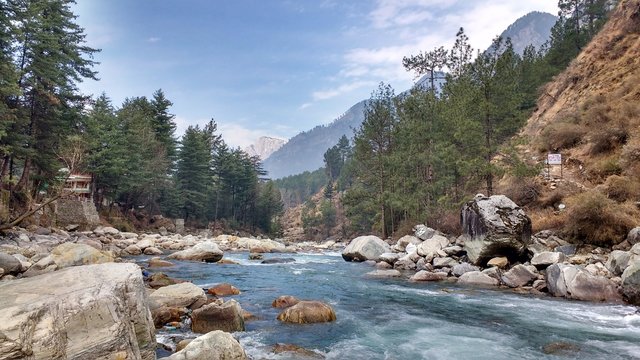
(395, 319)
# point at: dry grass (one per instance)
(562, 135)
(599, 169)
(621, 188)
(523, 191)
(447, 221)
(597, 220)
(546, 219)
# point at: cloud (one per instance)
(342, 89)
(389, 13)
(153, 39)
(304, 106)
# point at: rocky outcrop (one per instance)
(574, 282)
(215, 345)
(226, 317)
(84, 312)
(365, 248)
(307, 312)
(206, 251)
(494, 226)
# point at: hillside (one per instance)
(264, 146)
(590, 114)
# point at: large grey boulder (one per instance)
(431, 246)
(215, 345)
(631, 283)
(618, 261)
(207, 251)
(462, 268)
(423, 232)
(402, 243)
(477, 278)
(494, 226)
(424, 275)
(365, 248)
(226, 317)
(84, 312)
(10, 264)
(263, 245)
(543, 259)
(634, 236)
(519, 275)
(574, 282)
(178, 295)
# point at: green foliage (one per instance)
(297, 189)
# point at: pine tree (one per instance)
(163, 123)
(193, 174)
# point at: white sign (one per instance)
(554, 159)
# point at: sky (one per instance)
(274, 67)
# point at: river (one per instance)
(395, 319)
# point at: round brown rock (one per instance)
(284, 301)
(308, 312)
(224, 289)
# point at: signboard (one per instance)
(554, 159)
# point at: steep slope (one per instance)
(265, 146)
(531, 29)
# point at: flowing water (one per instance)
(395, 319)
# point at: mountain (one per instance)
(304, 152)
(531, 29)
(264, 146)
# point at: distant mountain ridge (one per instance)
(304, 152)
(264, 146)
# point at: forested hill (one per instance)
(304, 151)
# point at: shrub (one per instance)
(605, 140)
(621, 189)
(546, 219)
(603, 168)
(523, 191)
(594, 219)
(447, 221)
(562, 135)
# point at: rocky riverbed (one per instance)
(76, 285)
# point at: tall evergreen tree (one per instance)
(164, 123)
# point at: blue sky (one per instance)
(274, 67)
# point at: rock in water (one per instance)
(365, 248)
(178, 295)
(307, 312)
(494, 226)
(206, 251)
(224, 289)
(519, 275)
(216, 345)
(226, 317)
(477, 278)
(284, 301)
(85, 312)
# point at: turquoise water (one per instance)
(395, 319)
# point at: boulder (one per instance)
(178, 295)
(382, 273)
(404, 264)
(402, 243)
(215, 345)
(207, 251)
(634, 236)
(151, 250)
(226, 317)
(423, 232)
(383, 265)
(145, 243)
(70, 254)
(365, 248)
(543, 259)
(159, 280)
(494, 226)
(256, 256)
(498, 262)
(42, 266)
(519, 276)
(284, 301)
(431, 246)
(85, 312)
(477, 278)
(307, 312)
(576, 283)
(224, 289)
(157, 262)
(453, 250)
(390, 258)
(296, 351)
(444, 262)
(133, 250)
(278, 261)
(10, 264)
(460, 269)
(260, 245)
(164, 315)
(631, 283)
(424, 275)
